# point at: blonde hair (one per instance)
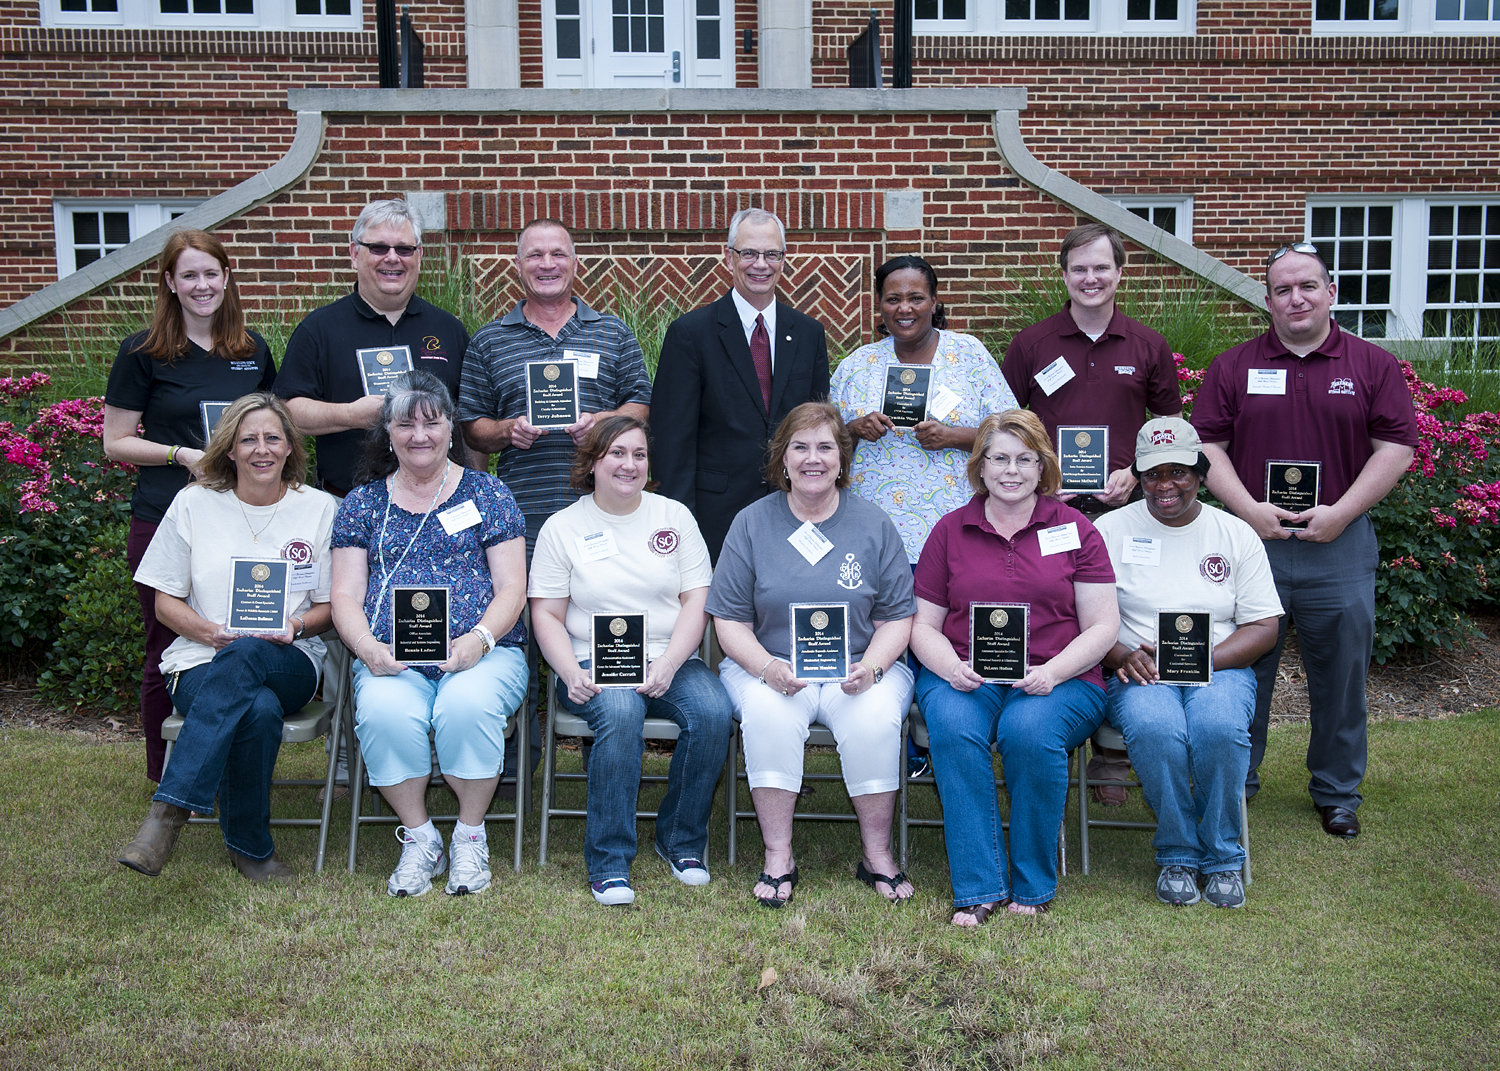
(1026, 426)
(216, 469)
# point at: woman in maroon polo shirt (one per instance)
(1012, 544)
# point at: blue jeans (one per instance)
(232, 711)
(1034, 735)
(1200, 735)
(696, 701)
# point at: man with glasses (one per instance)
(1321, 420)
(728, 374)
(320, 376)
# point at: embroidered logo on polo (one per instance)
(1163, 437)
(1341, 385)
(243, 366)
(432, 349)
(1125, 369)
(1214, 568)
(298, 551)
(664, 541)
(849, 573)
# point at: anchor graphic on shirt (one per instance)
(849, 573)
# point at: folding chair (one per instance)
(1108, 736)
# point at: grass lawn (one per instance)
(1383, 952)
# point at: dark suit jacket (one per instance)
(709, 427)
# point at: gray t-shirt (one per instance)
(760, 574)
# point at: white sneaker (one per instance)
(613, 892)
(470, 870)
(688, 870)
(421, 861)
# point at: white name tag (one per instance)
(1267, 381)
(1140, 550)
(456, 519)
(588, 363)
(597, 547)
(942, 402)
(303, 577)
(810, 543)
(1059, 539)
(1054, 375)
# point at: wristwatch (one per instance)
(877, 671)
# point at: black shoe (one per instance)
(1339, 822)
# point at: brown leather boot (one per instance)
(261, 871)
(156, 838)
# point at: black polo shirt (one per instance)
(320, 364)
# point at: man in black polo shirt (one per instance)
(320, 377)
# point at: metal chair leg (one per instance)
(549, 769)
(732, 793)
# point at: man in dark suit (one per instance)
(728, 374)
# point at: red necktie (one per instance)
(760, 353)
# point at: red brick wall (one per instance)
(531, 43)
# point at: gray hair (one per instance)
(755, 217)
(415, 392)
(379, 213)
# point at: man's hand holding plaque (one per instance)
(1293, 486)
(552, 393)
(381, 366)
(420, 625)
(998, 640)
(618, 654)
(820, 642)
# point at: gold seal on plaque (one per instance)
(617, 627)
(260, 573)
(1082, 439)
(386, 357)
(908, 377)
(1294, 476)
(421, 601)
(552, 372)
(818, 620)
(1184, 624)
(999, 618)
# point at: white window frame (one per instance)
(1183, 205)
(986, 18)
(147, 15)
(1416, 18)
(580, 73)
(145, 217)
(1409, 238)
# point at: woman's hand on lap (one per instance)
(463, 653)
(861, 679)
(779, 678)
(1038, 681)
(659, 676)
(1139, 666)
(581, 687)
(962, 677)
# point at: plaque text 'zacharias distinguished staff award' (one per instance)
(906, 388)
(999, 638)
(1083, 457)
(820, 641)
(257, 595)
(1185, 647)
(552, 393)
(419, 625)
(381, 366)
(1294, 486)
(618, 656)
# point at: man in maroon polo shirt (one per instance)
(1092, 364)
(1308, 409)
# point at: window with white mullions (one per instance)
(1463, 273)
(940, 9)
(639, 26)
(1069, 17)
(1356, 243)
(1172, 214)
(96, 234)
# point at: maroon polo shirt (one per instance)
(1337, 398)
(965, 560)
(1115, 380)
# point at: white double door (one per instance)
(640, 44)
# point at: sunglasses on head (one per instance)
(1295, 247)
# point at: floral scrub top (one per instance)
(915, 486)
(435, 559)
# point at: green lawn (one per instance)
(1383, 952)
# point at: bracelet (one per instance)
(361, 640)
(763, 670)
(172, 454)
(486, 638)
(300, 629)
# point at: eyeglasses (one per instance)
(1295, 247)
(1025, 463)
(380, 249)
(750, 256)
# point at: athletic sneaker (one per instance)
(613, 892)
(1225, 889)
(688, 870)
(421, 861)
(1178, 886)
(469, 869)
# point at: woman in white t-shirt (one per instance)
(1190, 745)
(232, 688)
(622, 551)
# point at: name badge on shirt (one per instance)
(1266, 381)
(1054, 375)
(1059, 538)
(1140, 550)
(942, 402)
(456, 519)
(588, 363)
(303, 576)
(810, 543)
(597, 546)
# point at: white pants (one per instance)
(867, 728)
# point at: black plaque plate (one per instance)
(820, 641)
(1083, 456)
(999, 635)
(380, 366)
(906, 390)
(419, 626)
(1185, 647)
(1294, 486)
(552, 393)
(618, 653)
(257, 595)
(211, 412)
